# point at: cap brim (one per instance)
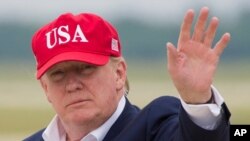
(89, 58)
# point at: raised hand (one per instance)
(193, 63)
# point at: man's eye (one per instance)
(57, 75)
(86, 69)
(58, 72)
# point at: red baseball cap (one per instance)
(84, 37)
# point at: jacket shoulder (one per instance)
(36, 136)
(165, 103)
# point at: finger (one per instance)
(171, 54)
(210, 33)
(200, 25)
(222, 44)
(186, 27)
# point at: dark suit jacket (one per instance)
(163, 119)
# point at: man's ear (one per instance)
(121, 73)
(45, 88)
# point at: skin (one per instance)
(193, 63)
(84, 96)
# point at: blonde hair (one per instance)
(115, 60)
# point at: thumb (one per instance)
(171, 52)
(171, 56)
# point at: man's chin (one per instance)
(82, 116)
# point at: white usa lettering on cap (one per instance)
(61, 36)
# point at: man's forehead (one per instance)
(69, 64)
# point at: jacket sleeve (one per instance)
(189, 131)
(171, 123)
(164, 119)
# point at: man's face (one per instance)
(82, 93)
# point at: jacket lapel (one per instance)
(127, 115)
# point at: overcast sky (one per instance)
(149, 11)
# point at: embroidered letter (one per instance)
(79, 34)
(64, 34)
(48, 38)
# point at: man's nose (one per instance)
(73, 83)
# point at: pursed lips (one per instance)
(76, 102)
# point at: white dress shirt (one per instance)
(204, 115)
(55, 132)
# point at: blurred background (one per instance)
(144, 27)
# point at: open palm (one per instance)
(193, 63)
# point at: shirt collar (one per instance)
(55, 131)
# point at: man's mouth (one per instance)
(77, 102)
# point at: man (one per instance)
(83, 74)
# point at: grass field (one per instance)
(24, 108)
